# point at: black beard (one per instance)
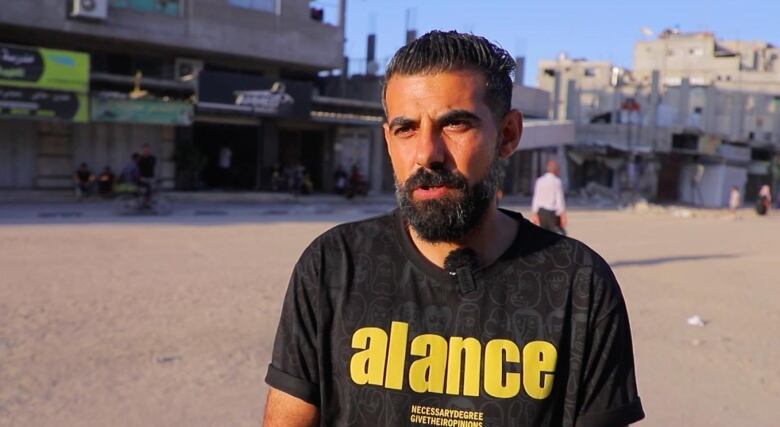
(452, 217)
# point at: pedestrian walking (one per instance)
(548, 204)
(735, 200)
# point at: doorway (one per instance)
(231, 155)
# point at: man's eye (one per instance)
(458, 125)
(403, 131)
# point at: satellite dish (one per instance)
(646, 31)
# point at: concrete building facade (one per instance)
(750, 66)
(193, 78)
(692, 119)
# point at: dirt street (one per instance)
(167, 324)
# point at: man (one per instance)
(548, 205)
(146, 165)
(764, 201)
(106, 182)
(83, 181)
(450, 311)
(225, 161)
(130, 173)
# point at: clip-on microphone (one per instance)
(461, 263)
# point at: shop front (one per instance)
(43, 92)
(51, 121)
(250, 129)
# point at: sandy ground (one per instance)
(172, 324)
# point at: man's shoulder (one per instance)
(587, 271)
(355, 236)
(551, 251)
(548, 177)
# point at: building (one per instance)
(543, 139)
(749, 66)
(693, 118)
(224, 91)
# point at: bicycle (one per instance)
(131, 199)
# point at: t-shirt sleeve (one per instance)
(294, 363)
(610, 396)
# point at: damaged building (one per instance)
(693, 118)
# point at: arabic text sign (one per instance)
(264, 101)
(25, 102)
(44, 68)
(265, 96)
(141, 111)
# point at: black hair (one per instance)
(440, 51)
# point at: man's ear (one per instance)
(509, 133)
(386, 129)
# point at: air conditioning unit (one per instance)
(186, 69)
(89, 9)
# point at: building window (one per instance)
(325, 11)
(163, 7)
(590, 72)
(261, 5)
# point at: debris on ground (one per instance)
(598, 195)
(682, 212)
(696, 320)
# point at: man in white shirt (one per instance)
(548, 205)
(225, 160)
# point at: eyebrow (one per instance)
(401, 121)
(458, 115)
(448, 117)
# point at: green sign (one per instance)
(38, 103)
(165, 7)
(141, 111)
(44, 68)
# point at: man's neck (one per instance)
(489, 240)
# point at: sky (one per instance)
(541, 29)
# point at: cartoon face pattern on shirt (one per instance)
(408, 347)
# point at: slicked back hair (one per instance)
(442, 51)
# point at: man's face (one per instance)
(443, 142)
(146, 151)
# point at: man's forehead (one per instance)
(440, 91)
(477, 77)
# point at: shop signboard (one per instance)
(44, 68)
(27, 102)
(177, 113)
(43, 83)
(254, 95)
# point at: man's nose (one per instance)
(430, 148)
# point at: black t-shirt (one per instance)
(374, 334)
(146, 166)
(83, 175)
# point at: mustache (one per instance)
(435, 178)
